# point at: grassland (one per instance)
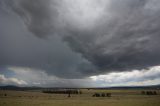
(119, 98)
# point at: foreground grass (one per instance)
(119, 98)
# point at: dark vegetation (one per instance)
(149, 93)
(62, 91)
(101, 95)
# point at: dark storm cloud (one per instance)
(128, 41)
(20, 48)
(35, 14)
(124, 38)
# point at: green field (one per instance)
(118, 98)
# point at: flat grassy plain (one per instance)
(118, 98)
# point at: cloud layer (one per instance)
(29, 77)
(133, 78)
(8, 81)
(77, 39)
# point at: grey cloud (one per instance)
(128, 41)
(126, 38)
(35, 14)
(40, 78)
(20, 48)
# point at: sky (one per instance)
(79, 43)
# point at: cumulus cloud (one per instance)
(8, 81)
(136, 77)
(102, 35)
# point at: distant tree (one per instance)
(108, 94)
(69, 94)
(154, 92)
(143, 92)
(80, 92)
(5, 94)
(103, 95)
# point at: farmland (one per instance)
(118, 98)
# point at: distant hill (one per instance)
(12, 87)
(133, 87)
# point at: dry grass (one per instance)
(119, 98)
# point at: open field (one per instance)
(118, 98)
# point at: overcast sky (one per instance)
(79, 43)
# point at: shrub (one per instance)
(5, 94)
(108, 94)
(143, 92)
(103, 95)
